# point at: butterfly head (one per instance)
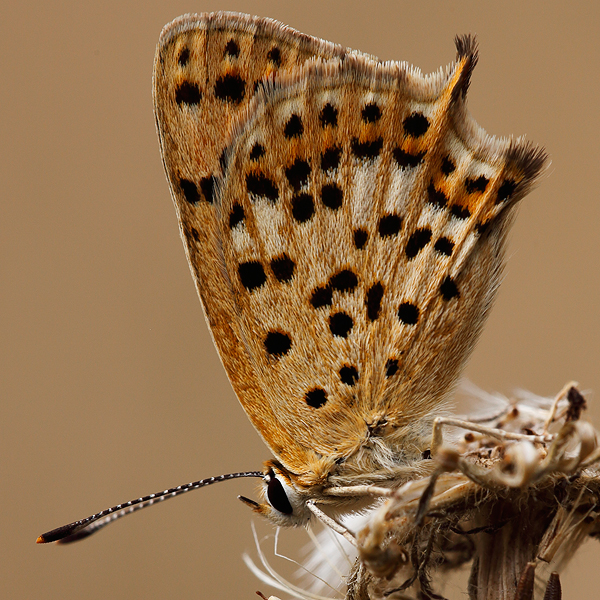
(285, 504)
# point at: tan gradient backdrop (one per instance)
(110, 385)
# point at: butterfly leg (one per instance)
(331, 523)
(352, 491)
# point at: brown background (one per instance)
(110, 385)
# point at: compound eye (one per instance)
(277, 496)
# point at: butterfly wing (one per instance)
(362, 219)
(206, 72)
(347, 244)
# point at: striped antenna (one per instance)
(85, 527)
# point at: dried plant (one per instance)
(515, 499)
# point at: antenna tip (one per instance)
(41, 540)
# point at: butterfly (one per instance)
(345, 221)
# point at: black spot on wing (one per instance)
(447, 166)
(283, 268)
(417, 241)
(444, 246)
(316, 397)
(260, 185)
(303, 207)
(258, 150)
(277, 344)
(449, 289)
(436, 197)
(389, 225)
(371, 113)
(230, 88)
(207, 185)
(190, 191)
(328, 115)
(274, 55)
(349, 375)
(187, 93)
(232, 49)
(332, 196)
(252, 275)
(407, 160)
(236, 216)
(374, 297)
(391, 367)
(506, 190)
(321, 296)
(360, 238)
(481, 228)
(408, 313)
(331, 158)
(184, 57)
(340, 324)
(344, 281)
(367, 150)
(416, 124)
(460, 212)
(294, 127)
(298, 173)
(476, 185)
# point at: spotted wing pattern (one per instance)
(206, 72)
(346, 244)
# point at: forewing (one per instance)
(207, 69)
